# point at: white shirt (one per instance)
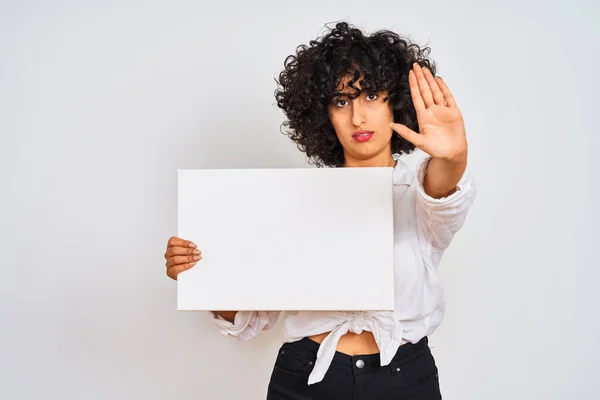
(423, 229)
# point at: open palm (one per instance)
(442, 131)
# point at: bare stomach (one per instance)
(352, 343)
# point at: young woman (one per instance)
(354, 100)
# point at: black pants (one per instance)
(412, 374)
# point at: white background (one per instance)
(101, 103)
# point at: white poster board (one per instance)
(287, 239)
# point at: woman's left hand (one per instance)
(442, 130)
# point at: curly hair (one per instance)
(311, 78)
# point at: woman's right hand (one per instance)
(181, 255)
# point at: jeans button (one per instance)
(360, 364)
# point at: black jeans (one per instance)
(412, 374)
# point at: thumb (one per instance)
(408, 134)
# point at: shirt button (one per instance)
(360, 364)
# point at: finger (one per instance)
(176, 241)
(415, 93)
(176, 260)
(408, 134)
(438, 96)
(181, 251)
(177, 269)
(447, 94)
(423, 86)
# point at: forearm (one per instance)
(443, 175)
(227, 315)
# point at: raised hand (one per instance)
(442, 132)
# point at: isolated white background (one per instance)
(101, 102)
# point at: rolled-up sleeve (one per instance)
(440, 219)
(246, 325)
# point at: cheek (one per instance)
(381, 112)
(386, 112)
(383, 116)
(339, 125)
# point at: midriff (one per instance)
(352, 343)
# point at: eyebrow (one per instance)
(339, 94)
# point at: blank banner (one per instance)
(287, 239)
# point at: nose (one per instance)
(358, 112)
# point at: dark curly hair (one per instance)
(311, 79)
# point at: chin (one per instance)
(368, 148)
(364, 155)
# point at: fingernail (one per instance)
(192, 245)
(192, 264)
(196, 251)
(196, 258)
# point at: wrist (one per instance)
(457, 158)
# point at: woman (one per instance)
(362, 101)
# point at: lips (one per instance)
(362, 136)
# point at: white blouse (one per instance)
(423, 229)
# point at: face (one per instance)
(362, 126)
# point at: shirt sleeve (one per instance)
(440, 219)
(246, 324)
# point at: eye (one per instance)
(341, 103)
(372, 97)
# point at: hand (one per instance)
(181, 255)
(442, 131)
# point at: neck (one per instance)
(384, 159)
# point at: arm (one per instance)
(445, 188)
(442, 176)
(440, 217)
